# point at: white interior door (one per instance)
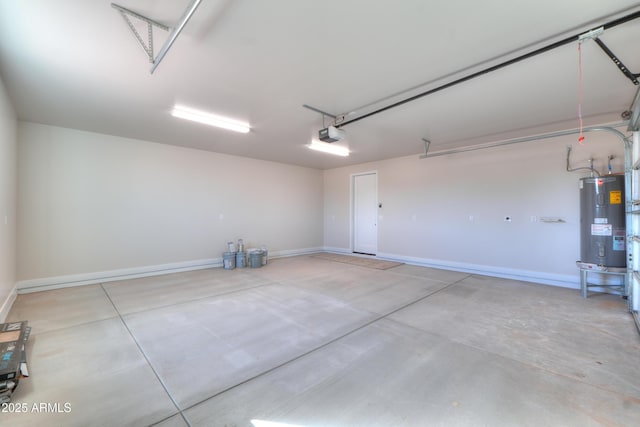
(365, 213)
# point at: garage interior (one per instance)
(433, 273)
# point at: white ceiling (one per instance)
(75, 63)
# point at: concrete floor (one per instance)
(311, 342)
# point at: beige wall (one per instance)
(8, 203)
(92, 203)
(97, 203)
(449, 211)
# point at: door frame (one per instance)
(352, 199)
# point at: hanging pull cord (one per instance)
(581, 137)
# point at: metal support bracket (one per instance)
(324, 114)
(590, 35)
(147, 47)
(631, 76)
(427, 143)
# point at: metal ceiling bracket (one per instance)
(324, 113)
(427, 143)
(176, 31)
(147, 47)
(631, 76)
(590, 35)
(634, 113)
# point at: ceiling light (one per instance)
(329, 148)
(209, 119)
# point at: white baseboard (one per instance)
(562, 280)
(49, 283)
(337, 250)
(295, 252)
(58, 282)
(8, 303)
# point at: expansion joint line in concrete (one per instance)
(320, 347)
(144, 354)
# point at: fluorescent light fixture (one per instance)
(209, 119)
(329, 148)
